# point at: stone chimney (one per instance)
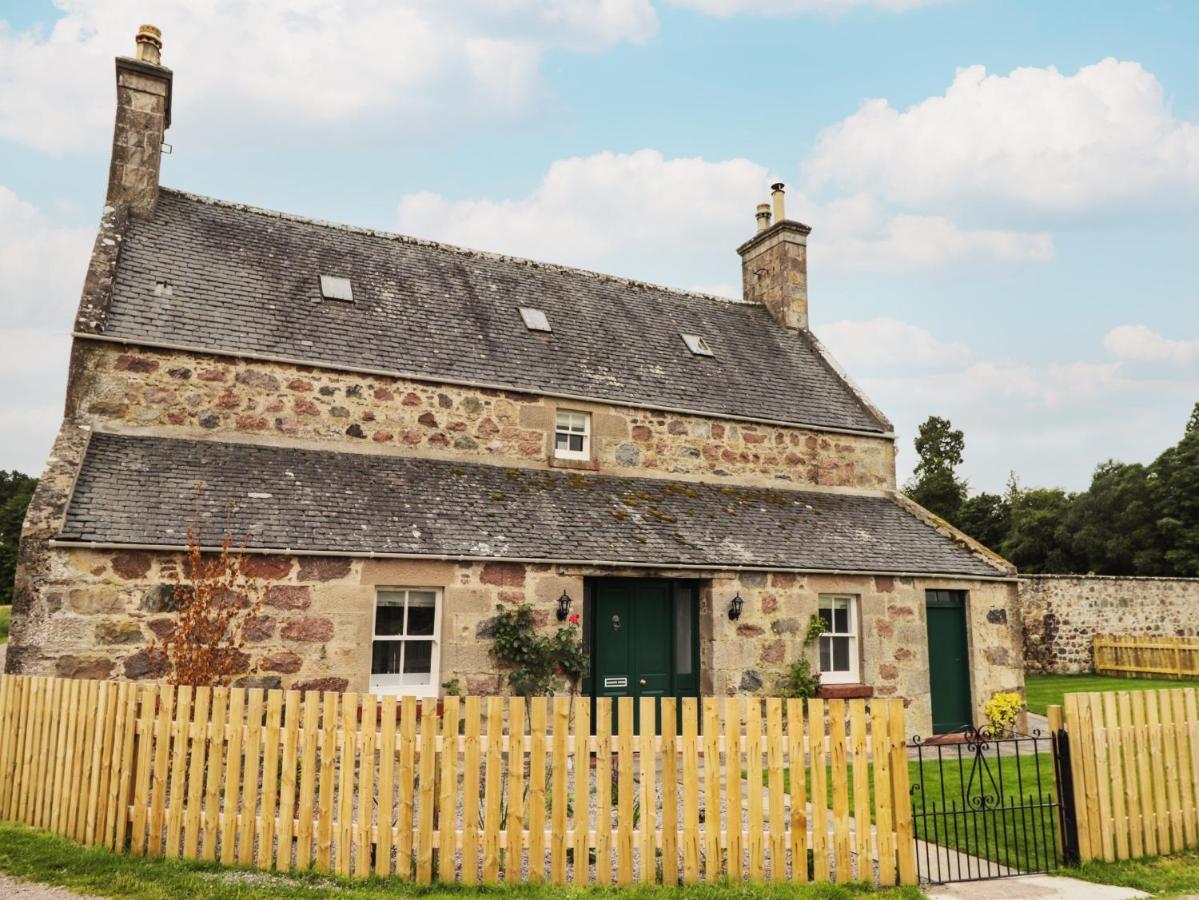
(774, 264)
(143, 116)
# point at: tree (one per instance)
(985, 517)
(16, 490)
(934, 483)
(1176, 473)
(1035, 541)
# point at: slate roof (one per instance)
(142, 490)
(246, 282)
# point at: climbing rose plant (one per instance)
(537, 663)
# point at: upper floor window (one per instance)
(406, 648)
(839, 640)
(572, 435)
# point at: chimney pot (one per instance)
(149, 44)
(763, 216)
(776, 197)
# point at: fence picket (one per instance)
(180, 725)
(292, 711)
(900, 797)
(81, 777)
(754, 785)
(407, 779)
(271, 780)
(537, 725)
(216, 771)
(732, 788)
(387, 760)
(819, 780)
(195, 781)
(711, 731)
(470, 796)
(366, 787)
(582, 791)
(1185, 780)
(1170, 760)
(492, 791)
(1132, 788)
(348, 744)
(1157, 767)
(880, 741)
(328, 772)
(624, 799)
(428, 785)
(647, 868)
(447, 835)
(514, 856)
(232, 795)
(1103, 777)
(774, 759)
(690, 796)
(798, 793)
(121, 781)
(603, 791)
(312, 711)
(1116, 772)
(251, 766)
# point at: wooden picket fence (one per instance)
(1156, 656)
(357, 785)
(1135, 765)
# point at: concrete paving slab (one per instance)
(1032, 887)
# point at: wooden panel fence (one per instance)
(1135, 765)
(1147, 657)
(471, 789)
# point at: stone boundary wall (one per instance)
(1062, 613)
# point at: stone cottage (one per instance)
(412, 433)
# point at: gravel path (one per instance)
(11, 889)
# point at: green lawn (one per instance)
(1167, 876)
(1011, 837)
(29, 854)
(1046, 689)
(5, 618)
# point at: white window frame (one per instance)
(394, 684)
(569, 429)
(853, 674)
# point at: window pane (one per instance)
(576, 443)
(418, 662)
(826, 619)
(421, 607)
(385, 657)
(841, 618)
(840, 654)
(561, 440)
(682, 632)
(389, 618)
(826, 662)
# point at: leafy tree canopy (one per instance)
(16, 490)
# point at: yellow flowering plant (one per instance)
(1002, 710)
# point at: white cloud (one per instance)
(41, 264)
(586, 210)
(1136, 343)
(307, 60)
(874, 344)
(590, 210)
(41, 275)
(1034, 138)
(796, 7)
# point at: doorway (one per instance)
(644, 637)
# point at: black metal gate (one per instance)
(988, 805)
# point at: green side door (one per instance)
(948, 661)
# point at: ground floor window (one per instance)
(839, 640)
(405, 650)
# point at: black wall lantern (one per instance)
(735, 607)
(563, 606)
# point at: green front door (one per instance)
(948, 660)
(644, 639)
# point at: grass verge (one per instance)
(1042, 690)
(1162, 875)
(45, 858)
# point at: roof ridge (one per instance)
(454, 248)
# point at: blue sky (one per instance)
(1003, 195)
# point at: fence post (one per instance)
(1064, 775)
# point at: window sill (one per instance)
(845, 692)
(587, 465)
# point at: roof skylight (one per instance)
(334, 287)
(535, 319)
(697, 345)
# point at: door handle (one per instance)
(644, 682)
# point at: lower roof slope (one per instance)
(143, 490)
(216, 277)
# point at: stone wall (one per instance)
(193, 395)
(1062, 613)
